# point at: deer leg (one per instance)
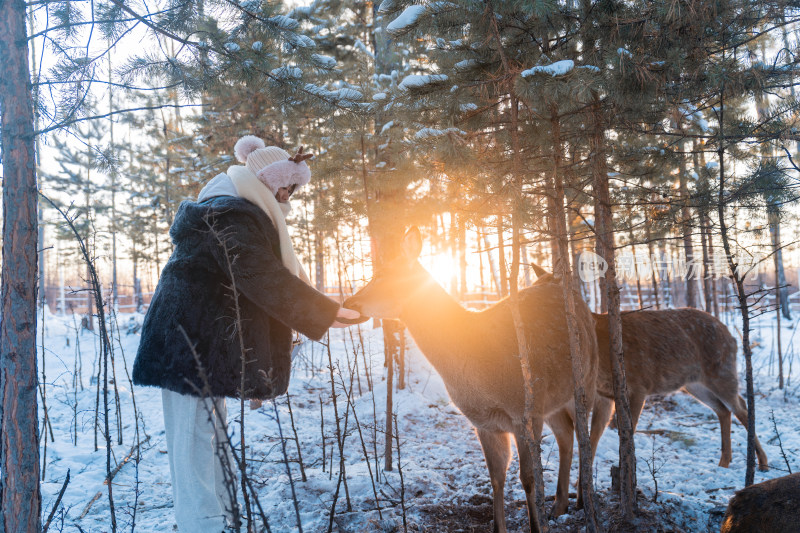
(563, 428)
(497, 451)
(741, 413)
(526, 470)
(710, 398)
(601, 414)
(636, 403)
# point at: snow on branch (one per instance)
(420, 81)
(324, 61)
(407, 19)
(559, 68)
(282, 22)
(429, 133)
(287, 72)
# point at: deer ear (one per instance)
(412, 243)
(539, 271)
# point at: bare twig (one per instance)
(400, 471)
(366, 455)
(105, 343)
(110, 476)
(56, 504)
(780, 443)
(296, 439)
(288, 470)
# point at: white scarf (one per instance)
(250, 188)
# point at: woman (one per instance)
(232, 286)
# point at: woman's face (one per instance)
(284, 193)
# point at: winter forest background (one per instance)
(661, 136)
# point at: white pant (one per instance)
(203, 489)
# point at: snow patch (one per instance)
(441, 6)
(466, 64)
(362, 48)
(418, 81)
(559, 68)
(283, 22)
(303, 11)
(323, 60)
(302, 41)
(286, 73)
(429, 133)
(387, 6)
(347, 94)
(407, 18)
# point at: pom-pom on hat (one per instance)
(271, 165)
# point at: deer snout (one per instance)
(353, 303)
(372, 304)
(348, 304)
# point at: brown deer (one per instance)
(768, 507)
(667, 350)
(476, 354)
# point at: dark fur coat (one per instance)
(189, 336)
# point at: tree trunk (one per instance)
(744, 308)
(778, 330)
(781, 298)
(669, 297)
(707, 292)
(653, 268)
(462, 257)
(561, 270)
(20, 496)
(501, 257)
(605, 243)
(686, 229)
(87, 238)
(319, 260)
(576, 279)
(453, 250)
(537, 516)
(391, 341)
(636, 267)
(42, 295)
(493, 266)
(114, 282)
(601, 281)
(777, 257)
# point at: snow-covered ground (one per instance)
(444, 485)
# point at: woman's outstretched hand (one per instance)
(347, 317)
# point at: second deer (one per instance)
(476, 354)
(668, 350)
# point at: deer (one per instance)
(664, 351)
(766, 507)
(476, 354)
(668, 350)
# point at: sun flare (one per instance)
(442, 267)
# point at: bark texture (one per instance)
(20, 497)
(561, 270)
(605, 246)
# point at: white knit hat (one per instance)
(270, 164)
